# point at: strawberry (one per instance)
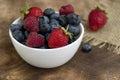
(31, 24)
(58, 38)
(97, 19)
(35, 40)
(33, 11)
(67, 9)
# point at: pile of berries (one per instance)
(47, 29)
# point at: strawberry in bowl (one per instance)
(47, 39)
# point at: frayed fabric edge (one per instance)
(95, 42)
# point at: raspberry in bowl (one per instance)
(49, 40)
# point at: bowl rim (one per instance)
(24, 46)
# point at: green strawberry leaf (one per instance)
(66, 32)
(25, 10)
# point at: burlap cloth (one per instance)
(109, 35)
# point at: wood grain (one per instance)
(99, 64)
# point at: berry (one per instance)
(75, 30)
(45, 28)
(44, 47)
(18, 35)
(67, 9)
(62, 21)
(26, 34)
(55, 16)
(57, 38)
(43, 20)
(47, 35)
(48, 12)
(23, 42)
(33, 11)
(54, 24)
(15, 27)
(97, 19)
(71, 40)
(73, 19)
(86, 48)
(35, 40)
(31, 24)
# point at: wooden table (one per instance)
(99, 64)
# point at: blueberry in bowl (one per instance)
(45, 45)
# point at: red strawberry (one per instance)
(34, 11)
(97, 19)
(35, 40)
(31, 24)
(67, 9)
(57, 38)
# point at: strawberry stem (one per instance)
(67, 28)
(66, 31)
(99, 8)
(25, 10)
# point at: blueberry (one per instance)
(86, 48)
(41, 35)
(71, 40)
(62, 21)
(26, 34)
(47, 36)
(54, 24)
(15, 27)
(43, 20)
(45, 28)
(18, 35)
(73, 19)
(24, 43)
(75, 30)
(44, 47)
(48, 12)
(55, 16)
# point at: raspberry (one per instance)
(67, 9)
(35, 40)
(31, 24)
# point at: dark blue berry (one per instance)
(26, 34)
(75, 30)
(18, 35)
(62, 21)
(48, 12)
(71, 40)
(73, 19)
(41, 35)
(15, 27)
(24, 43)
(43, 20)
(86, 48)
(47, 36)
(55, 16)
(45, 28)
(54, 24)
(44, 47)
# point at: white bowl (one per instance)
(46, 58)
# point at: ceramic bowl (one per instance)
(46, 58)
